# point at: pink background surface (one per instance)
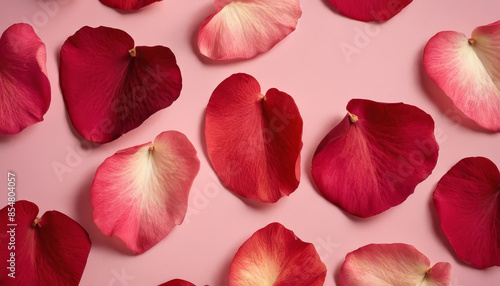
(310, 66)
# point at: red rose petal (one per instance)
(52, 250)
(254, 141)
(275, 256)
(242, 29)
(177, 282)
(375, 163)
(24, 86)
(370, 10)
(128, 4)
(467, 199)
(468, 71)
(141, 193)
(109, 87)
(392, 264)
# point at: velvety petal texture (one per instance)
(375, 157)
(254, 141)
(274, 256)
(51, 250)
(392, 264)
(370, 10)
(467, 199)
(468, 71)
(128, 4)
(110, 87)
(24, 86)
(242, 29)
(177, 282)
(140, 194)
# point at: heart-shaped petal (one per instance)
(110, 87)
(242, 29)
(375, 157)
(467, 199)
(370, 10)
(128, 4)
(24, 86)
(141, 193)
(254, 141)
(177, 282)
(468, 71)
(51, 250)
(274, 256)
(392, 264)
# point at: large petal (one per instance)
(254, 141)
(109, 87)
(177, 282)
(24, 86)
(392, 264)
(140, 193)
(51, 250)
(128, 4)
(242, 29)
(375, 157)
(468, 71)
(274, 256)
(370, 10)
(467, 199)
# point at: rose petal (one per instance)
(254, 141)
(128, 4)
(370, 165)
(177, 282)
(392, 264)
(24, 86)
(52, 250)
(242, 29)
(467, 199)
(468, 71)
(140, 193)
(370, 10)
(109, 88)
(275, 256)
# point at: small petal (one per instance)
(370, 10)
(177, 282)
(467, 199)
(468, 71)
(51, 250)
(254, 141)
(275, 256)
(128, 4)
(392, 264)
(110, 87)
(24, 86)
(242, 29)
(375, 157)
(140, 193)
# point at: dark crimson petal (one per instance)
(274, 256)
(109, 87)
(370, 10)
(467, 199)
(254, 141)
(52, 250)
(24, 86)
(128, 4)
(177, 282)
(375, 157)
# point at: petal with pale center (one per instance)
(468, 71)
(467, 199)
(24, 86)
(254, 141)
(140, 194)
(242, 29)
(274, 256)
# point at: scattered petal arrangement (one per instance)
(24, 86)
(371, 161)
(51, 250)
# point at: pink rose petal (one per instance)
(128, 4)
(370, 10)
